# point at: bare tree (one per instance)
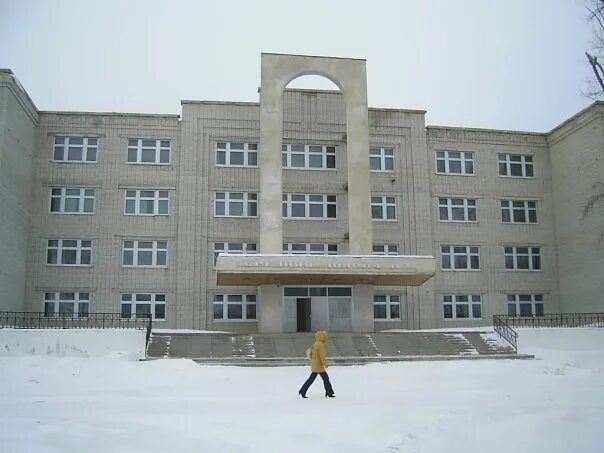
(595, 17)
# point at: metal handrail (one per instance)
(41, 320)
(566, 320)
(505, 331)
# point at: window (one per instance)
(387, 306)
(315, 157)
(236, 204)
(235, 307)
(385, 249)
(144, 305)
(462, 306)
(523, 258)
(525, 305)
(67, 200)
(516, 165)
(518, 211)
(75, 149)
(310, 249)
(69, 252)
(309, 206)
(147, 202)
(66, 304)
(233, 248)
(236, 154)
(383, 208)
(145, 254)
(141, 151)
(460, 257)
(455, 162)
(381, 159)
(457, 209)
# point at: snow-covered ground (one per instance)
(110, 404)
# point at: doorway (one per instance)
(303, 314)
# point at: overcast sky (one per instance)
(503, 64)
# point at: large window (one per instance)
(462, 306)
(517, 165)
(236, 204)
(381, 159)
(69, 252)
(144, 305)
(142, 151)
(383, 208)
(74, 304)
(291, 248)
(316, 157)
(460, 257)
(236, 154)
(518, 211)
(75, 149)
(385, 249)
(387, 306)
(147, 202)
(455, 162)
(235, 307)
(525, 305)
(71, 200)
(523, 258)
(309, 206)
(145, 254)
(233, 248)
(457, 209)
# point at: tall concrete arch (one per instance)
(351, 77)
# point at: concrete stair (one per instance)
(288, 349)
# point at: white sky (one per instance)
(512, 64)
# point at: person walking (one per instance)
(318, 365)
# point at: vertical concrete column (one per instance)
(271, 311)
(362, 308)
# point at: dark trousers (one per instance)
(311, 379)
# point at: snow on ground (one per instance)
(552, 404)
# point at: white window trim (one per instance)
(138, 198)
(246, 200)
(463, 159)
(227, 150)
(454, 302)
(307, 203)
(511, 210)
(388, 303)
(244, 302)
(384, 205)
(288, 248)
(530, 256)
(85, 146)
(452, 254)
(60, 247)
(506, 160)
(76, 302)
(158, 148)
(533, 303)
(63, 197)
(135, 249)
(466, 206)
(286, 149)
(153, 303)
(380, 153)
(387, 249)
(246, 249)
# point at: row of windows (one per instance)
(153, 151)
(243, 307)
(467, 257)
(465, 210)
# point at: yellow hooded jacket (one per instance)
(318, 356)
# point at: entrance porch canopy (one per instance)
(377, 270)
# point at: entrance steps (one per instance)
(347, 348)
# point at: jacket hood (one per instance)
(321, 336)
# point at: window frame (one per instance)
(386, 249)
(511, 209)
(153, 304)
(60, 248)
(244, 302)
(447, 159)
(388, 303)
(466, 207)
(62, 197)
(138, 198)
(530, 255)
(246, 199)
(135, 250)
(454, 302)
(66, 145)
(287, 152)
(381, 153)
(288, 248)
(246, 248)
(452, 253)
(327, 201)
(383, 205)
(534, 300)
(506, 160)
(159, 147)
(58, 299)
(248, 150)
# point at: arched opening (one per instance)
(313, 82)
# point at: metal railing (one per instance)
(570, 320)
(40, 320)
(505, 331)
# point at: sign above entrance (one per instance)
(377, 270)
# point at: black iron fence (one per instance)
(553, 320)
(505, 331)
(41, 320)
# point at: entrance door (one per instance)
(303, 314)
